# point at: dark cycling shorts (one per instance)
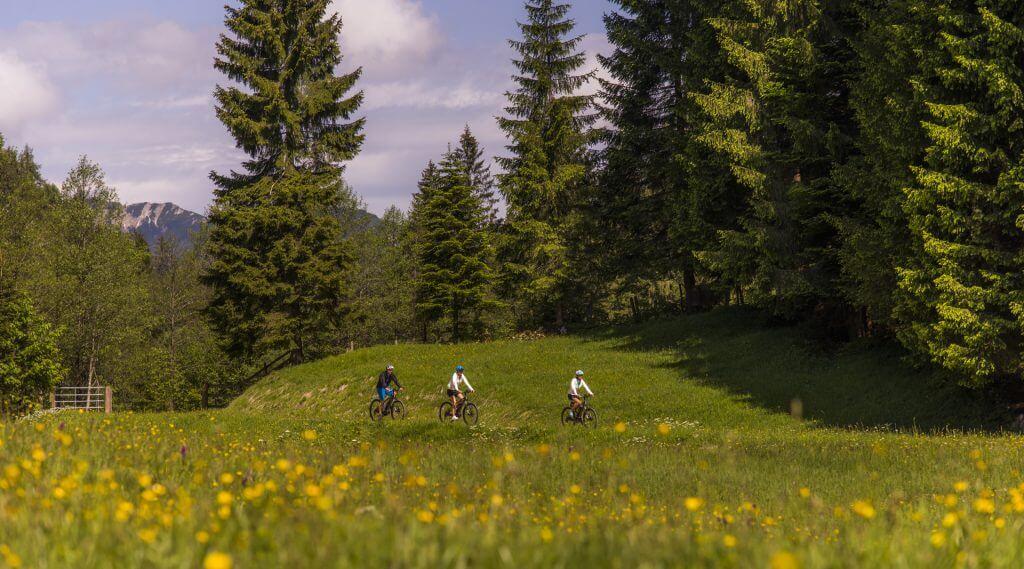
(573, 398)
(453, 392)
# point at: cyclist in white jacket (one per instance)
(576, 385)
(455, 393)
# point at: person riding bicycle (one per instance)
(384, 380)
(575, 385)
(456, 394)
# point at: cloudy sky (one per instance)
(128, 83)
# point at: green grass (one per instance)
(696, 462)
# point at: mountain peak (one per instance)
(155, 220)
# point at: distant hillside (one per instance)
(155, 220)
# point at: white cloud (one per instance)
(384, 35)
(423, 95)
(26, 92)
(151, 55)
(176, 102)
(594, 44)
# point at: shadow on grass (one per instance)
(861, 386)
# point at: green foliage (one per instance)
(662, 195)
(277, 268)
(30, 364)
(91, 281)
(548, 130)
(383, 285)
(453, 277)
(293, 116)
(876, 237)
(960, 303)
(471, 156)
(278, 256)
(782, 117)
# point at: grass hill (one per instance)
(726, 370)
(697, 462)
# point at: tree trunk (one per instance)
(298, 354)
(559, 314)
(205, 401)
(690, 291)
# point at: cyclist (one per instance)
(384, 380)
(575, 385)
(455, 393)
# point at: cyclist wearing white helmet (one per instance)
(455, 393)
(575, 386)
(384, 381)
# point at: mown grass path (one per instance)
(696, 462)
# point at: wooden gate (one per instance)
(96, 398)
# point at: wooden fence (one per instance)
(97, 398)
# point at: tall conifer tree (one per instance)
(782, 118)
(960, 301)
(548, 127)
(471, 155)
(278, 253)
(875, 236)
(661, 195)
(452, 251)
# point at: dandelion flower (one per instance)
(784, 560)
(863, 509)
(218, 560)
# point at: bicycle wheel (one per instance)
(567, 416)
(590, 418)
(444, 413)
(470, 414)
(375, 410)
(398, 410)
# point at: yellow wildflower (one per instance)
(217, 560)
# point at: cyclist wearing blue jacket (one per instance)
(384, 380)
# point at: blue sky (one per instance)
(128, 83)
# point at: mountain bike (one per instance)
(467, 410)
(586, 415)
(390, 407)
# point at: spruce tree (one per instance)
(471, 155)
(662, 196)
(452, 251)
(960, 302)
(782, 118)
(548, 127)
(638, 106)
(890, 139)
(278, 250)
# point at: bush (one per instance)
(29, 361)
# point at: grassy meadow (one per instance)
(696, 461)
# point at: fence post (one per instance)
(108, 404)
(53, 399)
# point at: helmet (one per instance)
(459, 368)
(579, 372)
(391, 367)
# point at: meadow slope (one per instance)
(696, 462)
